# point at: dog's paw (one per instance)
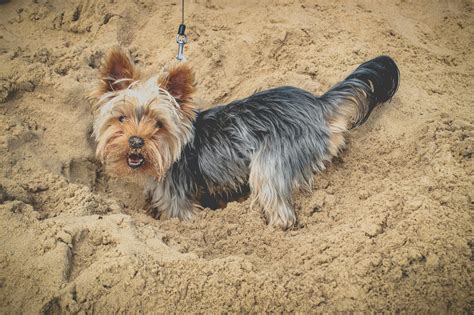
(154, 212)
(285, 223)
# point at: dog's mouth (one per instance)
(135, 160)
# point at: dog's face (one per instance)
(141, 126)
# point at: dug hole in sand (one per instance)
(388, 226)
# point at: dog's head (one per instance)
(140, 125)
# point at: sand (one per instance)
(388, 226)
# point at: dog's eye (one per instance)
(159, 124)
(122, 118)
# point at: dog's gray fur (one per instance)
(272, 141)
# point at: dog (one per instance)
(267, 144)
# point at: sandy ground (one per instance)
(389, 226)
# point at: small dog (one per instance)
(267, 144)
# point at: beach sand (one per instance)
(387, 227)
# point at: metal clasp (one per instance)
(181, 40)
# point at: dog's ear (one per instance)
(179, 82)
(117, 71)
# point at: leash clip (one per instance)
(181, 39)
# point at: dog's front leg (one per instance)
(169, 201)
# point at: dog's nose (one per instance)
(135, 142)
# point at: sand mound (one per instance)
(389, 225)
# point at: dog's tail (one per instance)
(349, 103)
(371, 84)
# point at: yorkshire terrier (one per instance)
(268, 143)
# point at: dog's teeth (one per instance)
(135, 160)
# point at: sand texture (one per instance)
(388, 226)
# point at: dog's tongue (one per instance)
(135, 158)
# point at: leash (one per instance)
(181, 37)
